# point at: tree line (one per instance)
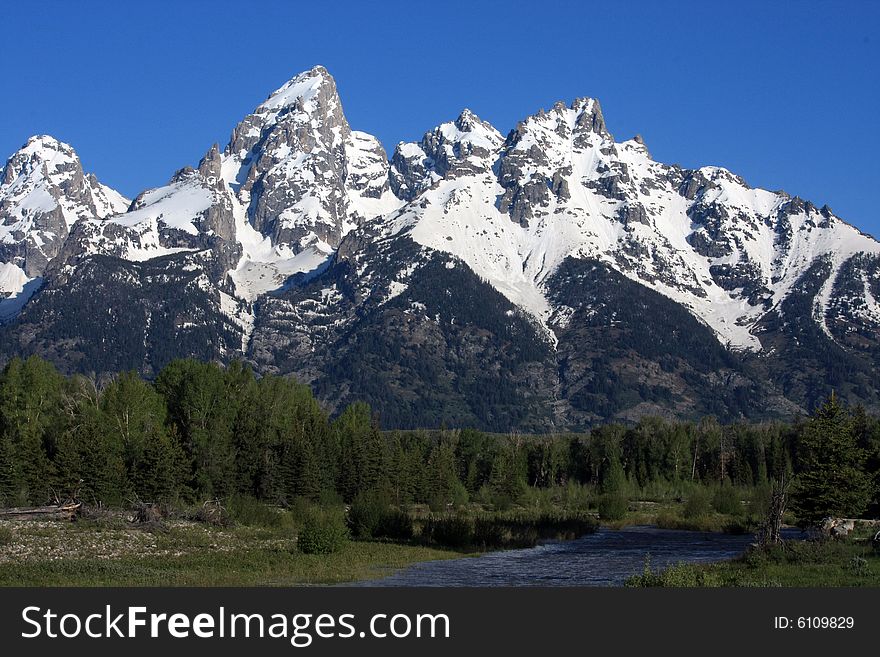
(202, 431)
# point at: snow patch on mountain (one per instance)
(174, 206)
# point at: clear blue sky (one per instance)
(786, 94)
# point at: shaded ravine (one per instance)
(605, 558)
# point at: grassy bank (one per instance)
(850, 562)
(183, 553)
(672, 515)
(246, 542)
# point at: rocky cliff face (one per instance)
(551, 278)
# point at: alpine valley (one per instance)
(549, 279)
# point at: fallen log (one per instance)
(55, 512)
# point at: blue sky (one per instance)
(786, 94)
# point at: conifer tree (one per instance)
(358, 456)
(831, 479)
(30, 422)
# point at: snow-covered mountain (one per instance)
(303, 249)
(560, 187)
(43, 193)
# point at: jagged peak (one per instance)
(39, 153)
(300, 89)
(45, 148)
(310, 96)
(589, 115)
(468, 127)
(586, 103)
(716, 174)
(582, 116)
(211, 163)
(45, 141)
(467, 120)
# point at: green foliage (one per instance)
(508, 476)
(134, 416)
(396, 525)
(324, 531)
(831, 479)
(455, 531)
(201, 400)
(31, 393)
(89, 462)
(613, 506)
(680, 575)
(726, 500)
(204, 432)
(362, 452)
(442, 485)
(613, 480)
(524, 528)
(367, 512)
(248, 511)
(697, 504)
(759, 501)
(5, 536)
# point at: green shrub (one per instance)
(660, 490)
(679, 575)
(489, 533)
(501, 501)
(451, 531)
(5, 536)
(396, 525)
(324, 531)
(697, 505)
(366, 513)
(248, 511)
(759, 501)
(438, 504)
(372, 516)
(726, 500)
(858, 566)
(459, 494)
(613, 506)
(576, 496)
(668, 520)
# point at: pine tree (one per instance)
(10, 475)
(508, 478)
(831, 479)
(359, 458)
(30, 421)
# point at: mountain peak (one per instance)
(467, 120)
(300, 89)
(43, 192)
(36, 142)
(38, 151)
(589, 115)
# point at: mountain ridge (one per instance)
(297, 199)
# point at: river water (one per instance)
(605, 558)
